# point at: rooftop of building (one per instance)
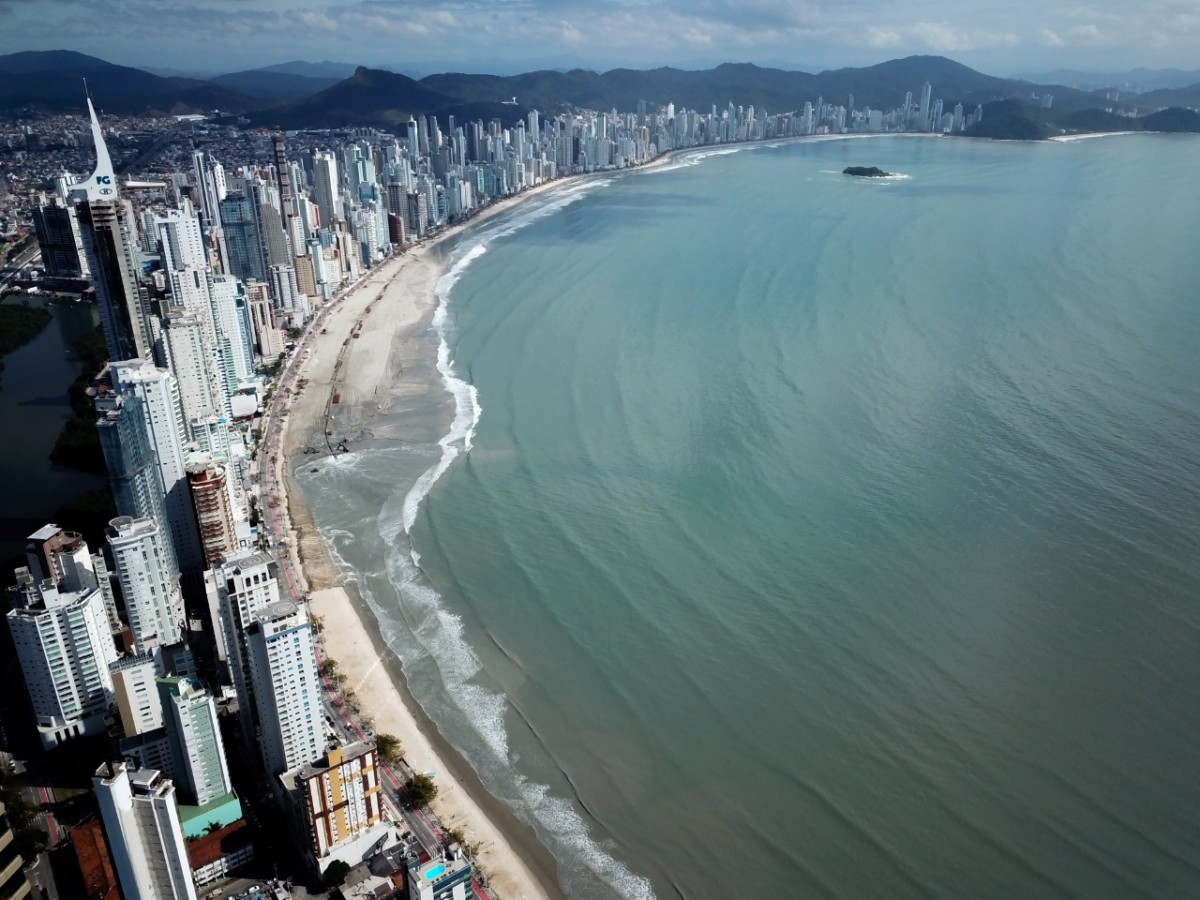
(211, 847)
(335, 756)
(247, 560)
(91, 855)
(440, 868)
(45, 533)
(123, 527)
(280, 609)
(131, 662)
(223, 811)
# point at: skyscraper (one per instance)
(338, 799)
(149, 581)
(290, 727)
(923, 113)
(235, 341)
(145, 837)
(243, 237)
(197, 749)
(129, 456)
(162, 416)
(60, 629)
(214, 512)
(206, 189)
(110, 245)
(326, 186)
(238, 590)
(57, 228)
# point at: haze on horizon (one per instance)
(996, 36)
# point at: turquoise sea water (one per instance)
(798, 535)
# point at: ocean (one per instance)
(781, 533)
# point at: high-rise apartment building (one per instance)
(338, 802)
(214, 511)
(235, 341)
(136, 694)
(326, 187)
(191, 353)
(145, 837)
(267, 337)
(197, 749)
(926, 108)
(162, 415)
(149, 578)
(243, 237)
(129, 456)
(58, 237)
(13, 885)
(60, 630)
(286, 691)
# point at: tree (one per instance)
(329, 666)
(391, 751)
(212, 827)
(421, 790)
(29, 842)
(336, 873)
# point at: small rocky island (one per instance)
(865, 172)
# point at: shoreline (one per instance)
(333, 361)
(348, 353)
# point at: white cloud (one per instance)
(883, 38)
(1050, 38)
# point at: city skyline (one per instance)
(432, 36)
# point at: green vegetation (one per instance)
(1010, 120)
(421, 790)
(391, 751)
(336, 874)
(18, 326)
(1173, 119)
(329, 667)
(273, 369)
(78, 445)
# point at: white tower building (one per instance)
(325, 186)
(60, 629)
(197, 750)
(287, 693)
(158, 390)
(145, 837)
(191, 353)
(149, 581)
(232, 319)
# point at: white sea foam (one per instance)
(561, 818)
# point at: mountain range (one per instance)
(328, 95)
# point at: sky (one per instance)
(1001, 37)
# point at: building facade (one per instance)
(141, 824)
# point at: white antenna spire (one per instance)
(102, 185)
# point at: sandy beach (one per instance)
(358, 345)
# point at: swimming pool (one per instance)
(435, 872)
